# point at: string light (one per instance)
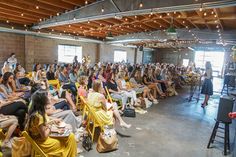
(58, 14)
(7, 21)
(24, 25)
(22, 14)
(69, 26)
(37, 7)
(102, 10)
(86, 2)
(12, 27)
(140, 5)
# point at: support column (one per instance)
(29, 53)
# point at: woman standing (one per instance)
(207, 87)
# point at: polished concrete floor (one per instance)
(172, 128)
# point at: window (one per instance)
(185, 62)
(66, 53)
(120, 56)
(216, 59)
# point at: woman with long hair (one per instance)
(207, 87)
(12, 106)
(39, 128)
(104, 110)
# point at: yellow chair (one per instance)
(2, 135)
(112, 99)
(54, 83)
(92, 117)
(29, 75)
(36, 150)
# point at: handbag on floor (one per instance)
(107, 141)
(129, 112)
(87, 142)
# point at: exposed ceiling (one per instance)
(72, 17)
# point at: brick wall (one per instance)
(12, 43)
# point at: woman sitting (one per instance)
(7, 86)
(22, 79)
(148, 80)
(13, 106)
(137, 84)
(10, 123)
(129, 91)
(37, 73)
(74, 74)
(39, 129)
(82, 91)
(116, 93)
(50, 72)
(103, 109)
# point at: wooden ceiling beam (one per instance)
(14, 20)
(15, 12)
(75, 2)
(24, 17)
(24, 7)
(48, 7)
(185, 15)
(216, 10)
(58, 3)
(200, 14)
(20, 10)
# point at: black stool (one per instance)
(229, 81)
(225, 106)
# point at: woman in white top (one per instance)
(207, 87)
(12, 61)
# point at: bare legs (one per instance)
(118, 117)
(205, 103)
(70, 101)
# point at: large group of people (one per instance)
(30, 103)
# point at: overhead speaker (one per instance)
(226, 105)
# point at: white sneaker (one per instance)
(147, 103)
(155, 101)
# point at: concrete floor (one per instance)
(172, 128)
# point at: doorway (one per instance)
(215, 57)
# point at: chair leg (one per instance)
(225, 140)
(228, 137)
(93, 132)
(227, 89)
(213, 134)
(222, 89)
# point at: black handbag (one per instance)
(129, 112)
(87, 142)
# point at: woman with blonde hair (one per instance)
(104, 110)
